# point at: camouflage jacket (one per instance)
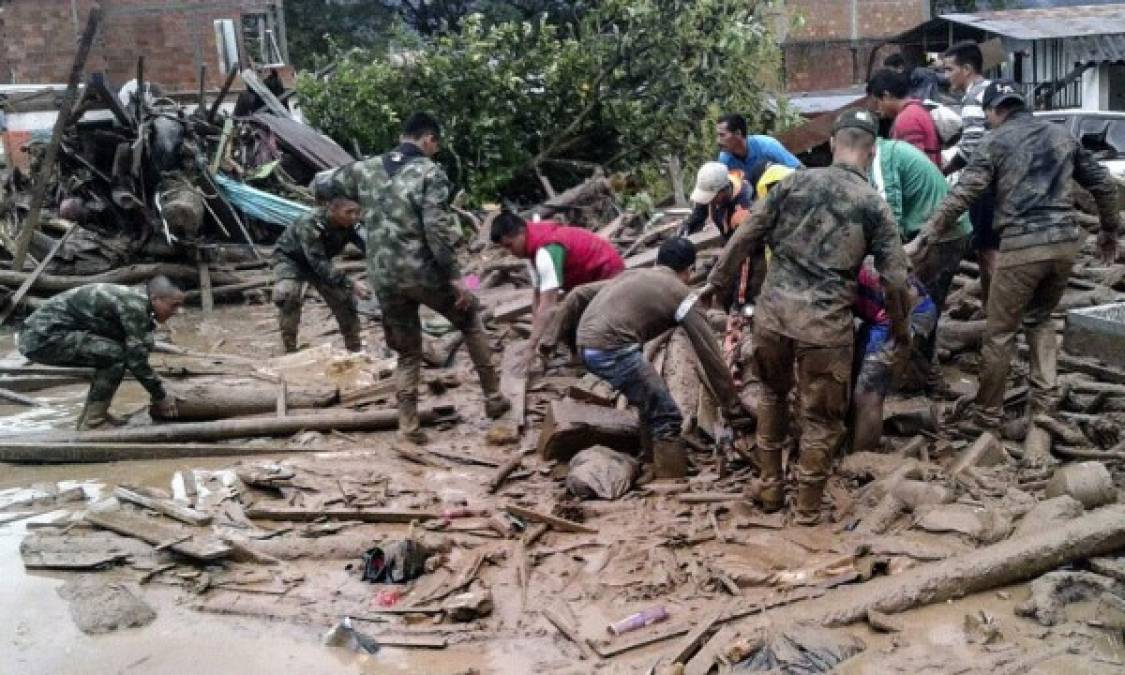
(819, 225)
(119, 313)
(1030, 162)
(411, 234)
(306, 249)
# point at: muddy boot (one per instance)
(669, 458)
(96, 414)
(809, 495)
(977, 420)
(289, 342)
(771, 490)
(496, 405)
(353, 342)
(409, 426)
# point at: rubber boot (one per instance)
(353, 342)
(771, 493)
(409, 426)
(289, 342)
(480, 352)
(96, 414)
(496, 405)
(809, 494)
(669, 458)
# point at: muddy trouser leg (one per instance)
(823, 375)
(83, 349)
(468, 321)
(287, 297)
(403, 331)
(342, 303)
(1043, 346)
(631, 374)
(936, 274)
(1015, 290)
(773, 356)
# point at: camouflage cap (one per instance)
(857, 119)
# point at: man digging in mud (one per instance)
(619, 316)
(820, 224)
(304, 253)
(411, 261)
(109, 328)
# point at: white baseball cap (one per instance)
(712, 177)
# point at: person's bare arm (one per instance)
(546, 305)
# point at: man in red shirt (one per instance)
(564, 257)
(890, 92)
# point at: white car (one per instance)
(1102, 132)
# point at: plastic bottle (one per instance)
(639, 620)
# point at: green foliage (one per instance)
(625, 85)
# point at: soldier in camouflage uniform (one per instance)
(819, 225)
(1031, 163)
(304, 252)
(411, 261)
(109, 328)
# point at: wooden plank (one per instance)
(560, 524)
(411, 641)
(297, 514)
(555, 617)
(17, 297)
(166, 506)
(206, 299)
(503, 472)
(152, 531)
(94, 453)
(709, 497)
(20, 399)
(513, 381)
(50, 157)
(695, 639)
(214, 109)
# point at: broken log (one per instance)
(93, 453)
(219, 400)
(132, 274)
(377, 420)
(569, 427)
(302, 515)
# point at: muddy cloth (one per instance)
(600, 472)
(819, 225)
(1025, 296)
(411, 235)
(823, 375)
(876, 346)
(104, 326)
(395, 562)
(801, 650)
(630, 373)
(637, 306)
(1031, 162)
(305, 250)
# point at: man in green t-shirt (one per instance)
(913, 187)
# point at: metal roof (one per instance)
(1053, 22)
(1095, 48)
(815, 102)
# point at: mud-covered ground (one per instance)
(651, 547)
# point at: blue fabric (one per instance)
(922, 322)
(260, 204)
(628, 371)
(757, 149)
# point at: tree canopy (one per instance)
(622, 86)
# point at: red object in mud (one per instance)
(638, 620)
(388, 598)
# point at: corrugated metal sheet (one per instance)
(1054, 22)
(810, 103)
(1095, 48)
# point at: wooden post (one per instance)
(139, 103)
(202, 86)
(43, 176)
(30, 281)
(205, 297)
(214, 110)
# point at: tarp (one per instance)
(260, 204)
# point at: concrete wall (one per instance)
(832, 48)
(38, 39)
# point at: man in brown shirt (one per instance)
(618, 316)
(819, 225)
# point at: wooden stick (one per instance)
(9, 395)
(301, 515)
(166, 506)
(17, 297)
(561, 524)
(50, 157)
(503, 472)
(282, 397)
(207, 300)
(214, 110)
(553, 615)
(93, 453)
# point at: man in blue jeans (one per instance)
(620, 315)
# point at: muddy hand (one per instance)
(464, 296)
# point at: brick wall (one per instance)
(819, 54)
(38, 39)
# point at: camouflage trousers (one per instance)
(823, 377)
(289, 300)
(403, 330)
(81, 349)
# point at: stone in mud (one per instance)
(1051, 593)
(1088, 482)
(502, 433)
(981, 628)
(100, 606)
(1047, 514)
(470, 606)
(570, 426)
(883, 623)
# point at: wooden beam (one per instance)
(152, 531)
(214, 110)
(301, 515)
(94, 453)
(50, 157)
(17, 297)
(133, 495)
(560, 524)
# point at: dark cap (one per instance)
(323, 186)
(677, 253)
(1001, 91)
(857, 119)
